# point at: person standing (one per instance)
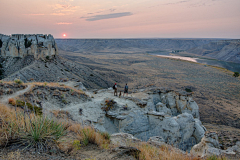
(115, 89)
(125, 90)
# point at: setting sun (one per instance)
(64, 35)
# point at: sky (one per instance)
(122, 18)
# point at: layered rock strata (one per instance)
(20, 45)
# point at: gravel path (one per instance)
(5, 98)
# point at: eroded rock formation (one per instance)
(20, 45)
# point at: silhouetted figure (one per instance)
(115, 89)
(125, 90)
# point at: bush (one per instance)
(18, 81)
(236, 74)
(47, 57)
(188, 90)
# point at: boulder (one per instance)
(209, 146)
(123, 139)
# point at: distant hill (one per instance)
(225, 50)
(115, 45)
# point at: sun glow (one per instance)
(64, 35)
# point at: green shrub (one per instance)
(47, 57)
(18, 81)
(236, 74)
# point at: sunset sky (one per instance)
(122, 18)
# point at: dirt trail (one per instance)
(5, 98)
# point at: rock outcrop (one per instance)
(20, 45)
(172, 115)
(168, 114)
(209, 146)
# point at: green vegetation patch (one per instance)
(18, 81)
(32, 108)
(42, 130)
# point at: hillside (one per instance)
(225, 50)
(128, 45)
(57, 69)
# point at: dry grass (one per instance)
(15, 126)
(88, 135)
(10, 124)
(150, 152)
(52, 84)
(12, 101)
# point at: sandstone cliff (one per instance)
(20, 45)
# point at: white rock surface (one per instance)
(40, 46)
(160, 117)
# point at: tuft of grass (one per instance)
(41, 130)
(36, 131)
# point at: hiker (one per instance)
(125, 90)
(115, 89)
